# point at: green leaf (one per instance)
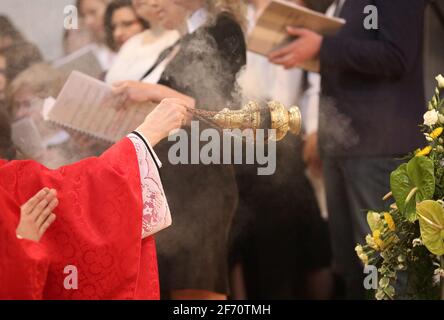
(431, 223)
(413, 182)
(401, 186)
(374, 221)
(421, 173)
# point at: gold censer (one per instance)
(252, 116)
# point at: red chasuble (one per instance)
(97, 231)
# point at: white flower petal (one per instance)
(440, 80)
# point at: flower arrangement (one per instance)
(409, 237)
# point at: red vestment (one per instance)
(97, 230)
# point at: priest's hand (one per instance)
(304, 48)
(168, 116)
(36, 215)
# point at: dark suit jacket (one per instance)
(372, 82)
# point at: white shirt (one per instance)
(197, 19)
(334, 7)
(310, 99)
(194, 22)
(263, 81)
(104, 55)
(138, 55)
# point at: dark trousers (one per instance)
(354, 185)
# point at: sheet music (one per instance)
(87, 105)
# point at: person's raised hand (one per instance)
(36, 215)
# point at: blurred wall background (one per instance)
(41, 21)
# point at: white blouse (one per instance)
(105, 56)
(139, 54)
(194, 22)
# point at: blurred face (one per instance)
(24, 103)
(2, 77)
(171, 16)
(93, 12)
(148, 10)
(125, 24)
(5, 42)
(190, 5)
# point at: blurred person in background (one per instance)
(122, 23)
(138, 54)
(92, 12)
(202, 67)
(3, 79)
(76, 39)
(280, 215)
(9, 34)
(7, 150)
(16, 53)
(36, 138)
(372, 89)
(20, 57)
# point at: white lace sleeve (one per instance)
(156, 213)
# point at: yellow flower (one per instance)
(436, 133)
(371, 242)
(388, 218)
(364, 258)
(377, 239)
(424, 151)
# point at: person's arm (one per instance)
(394, 50)
(136, 91)
(156, 213)
(169, 115)
(102, 207)
(391, 53)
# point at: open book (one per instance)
(83, 60)
(88, 106)
(270, 32)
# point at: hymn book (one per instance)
(88, 106)
(270, 32)
(83, 60)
